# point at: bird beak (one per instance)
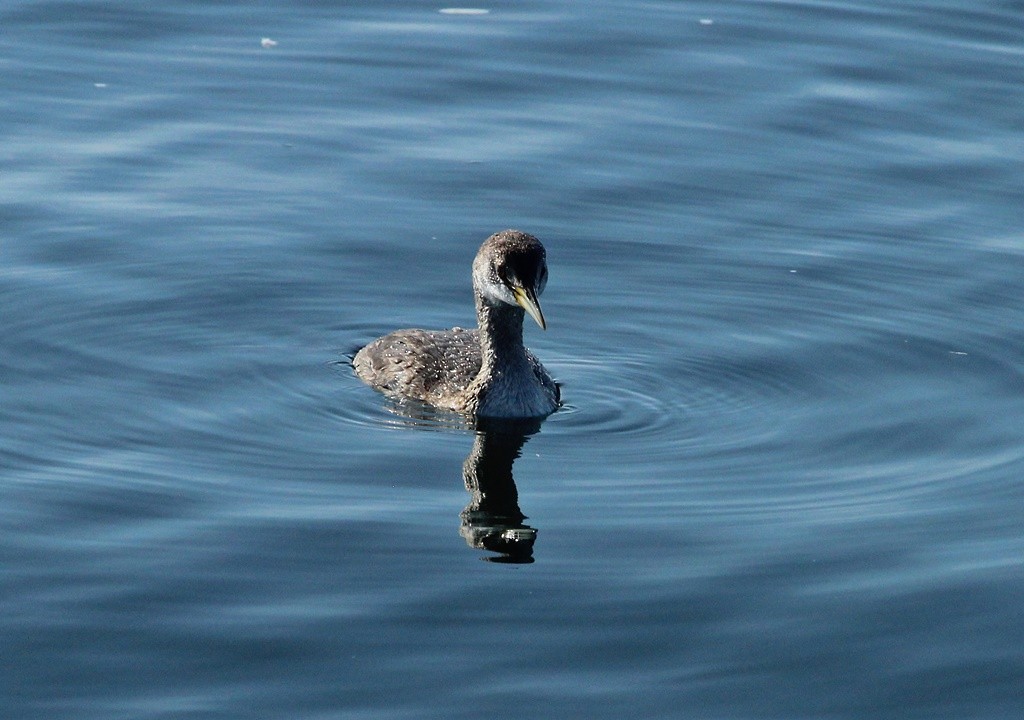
(527, 300)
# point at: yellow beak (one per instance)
(527, 300)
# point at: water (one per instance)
(786, 258)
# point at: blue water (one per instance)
(786, 244)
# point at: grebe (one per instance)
(486, 372)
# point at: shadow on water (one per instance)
(492, 520)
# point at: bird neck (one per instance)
(501, 336)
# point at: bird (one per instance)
(487, 372)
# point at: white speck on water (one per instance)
(463, 11)
(706, 21)
(957, 352)
(99, 85)
(268, 43)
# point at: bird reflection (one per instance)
(492, 520)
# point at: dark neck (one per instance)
(501, 334)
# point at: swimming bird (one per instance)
(486, 372)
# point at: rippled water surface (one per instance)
(785, 307)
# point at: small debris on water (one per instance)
(463, 11)
(268, 43)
